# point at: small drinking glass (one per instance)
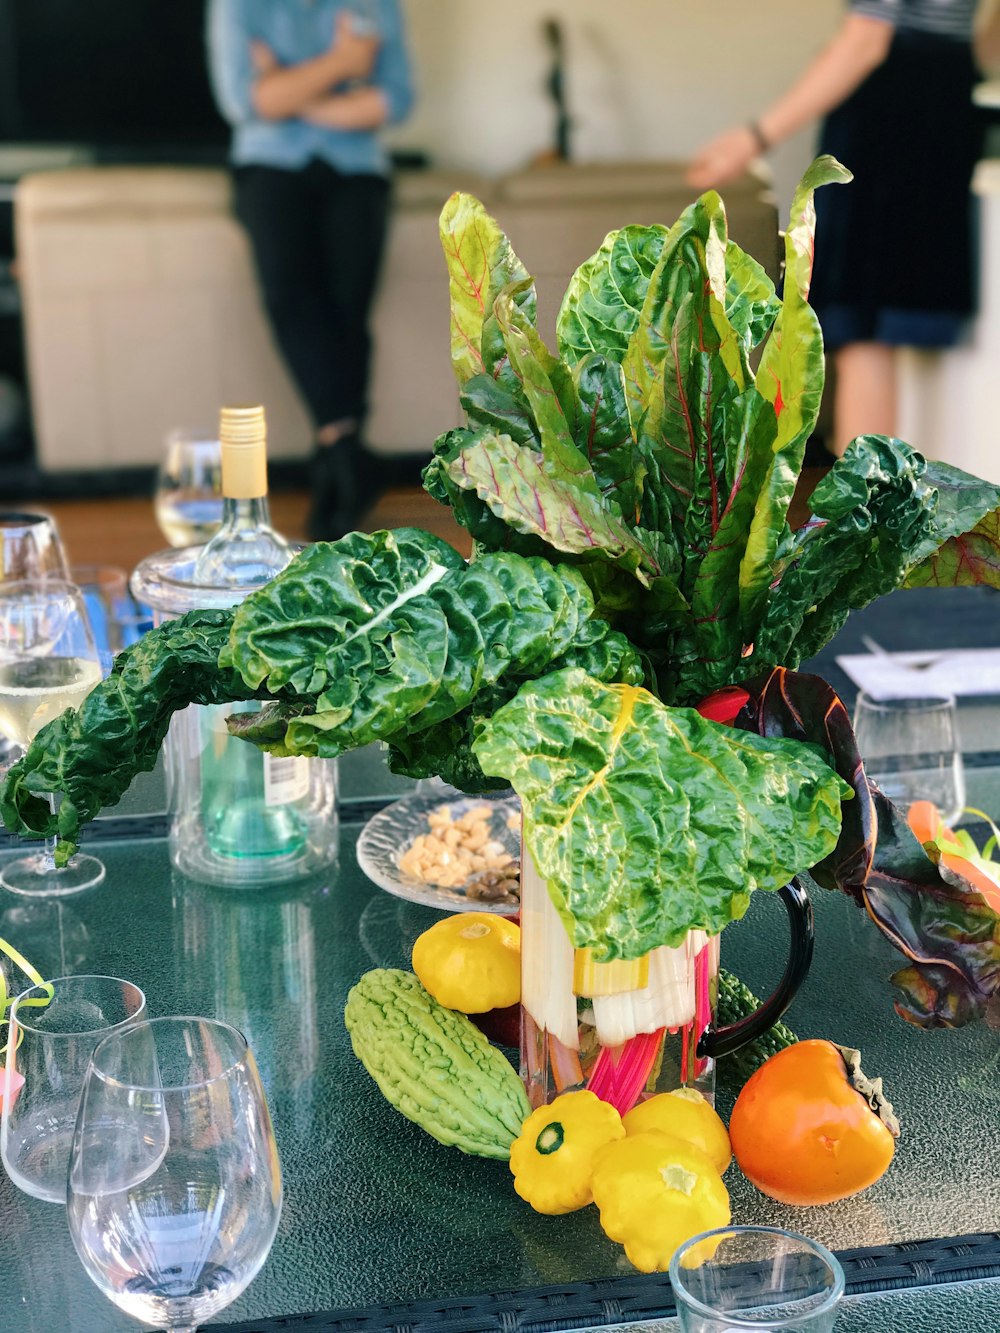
(911, 750)
(740, 1278)
(53, 1030)
(174, 1182)
(49, 662)
(188, 501)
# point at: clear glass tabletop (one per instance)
(377, 1212)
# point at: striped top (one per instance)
(944, 18)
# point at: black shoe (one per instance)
(345, 483)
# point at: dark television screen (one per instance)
(112, 73)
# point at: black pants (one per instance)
(317, 238)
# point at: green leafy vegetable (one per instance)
(627, 499)
(647, 822)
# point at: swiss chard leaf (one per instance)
(969, 559)
(600, 309)
(878, 509)
(751, 303)
(543, 498)
(804, 708)
(945, 927)
(604, 434)
(481, 263)
(419, 659)
(648, 822)
(790, 377)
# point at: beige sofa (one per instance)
(141, 312)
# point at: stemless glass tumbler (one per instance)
(760, 1278)
(174, 1183)
(911, 749)
(53, 1030)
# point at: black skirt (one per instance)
(895, 253)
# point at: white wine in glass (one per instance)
(37, 689)
(49, 661)
(188, 502)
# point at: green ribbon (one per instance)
(6, 1000)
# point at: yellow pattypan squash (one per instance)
(553, 1156)
(655, 1192)
(686, 1115)
(471, 962)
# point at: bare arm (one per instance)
(358, 109)
(284, 91)
(987, 37)
(860, 45)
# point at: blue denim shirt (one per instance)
(297, 30)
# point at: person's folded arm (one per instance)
(357, 109)
(859, 46)
(281, 92)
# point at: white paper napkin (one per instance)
(917, 675)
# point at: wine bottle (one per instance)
(248, 799)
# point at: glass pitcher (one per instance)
(629, 1030)
(238, 816)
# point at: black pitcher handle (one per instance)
(725, 1040)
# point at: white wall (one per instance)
(647, 79)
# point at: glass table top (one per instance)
(375, 1211)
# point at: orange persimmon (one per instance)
(809, 1128)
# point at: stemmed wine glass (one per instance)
(188, 501)
(48, 662)
(174, 1182)
(30, 547)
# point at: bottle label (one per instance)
(286, 779)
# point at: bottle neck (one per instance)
(245, 513)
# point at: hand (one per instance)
(263, 58)
(355, 54)
(723, 159)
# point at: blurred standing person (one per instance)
(307, 85)
(895, 255)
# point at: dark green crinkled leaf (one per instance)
(878, 509)
(423, 659)
(600, 309)
(802, 707)
(647, 822)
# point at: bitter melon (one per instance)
(736, 1001)
(434, 1065)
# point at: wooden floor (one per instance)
(122, 531)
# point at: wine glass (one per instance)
(49, 662)
(30, 547)
(174, 1182)
(911, 750)
(188, 501)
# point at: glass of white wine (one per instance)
(49, 662)
(174, 1181)
(188, 502)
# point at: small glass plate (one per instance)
(390, 833)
